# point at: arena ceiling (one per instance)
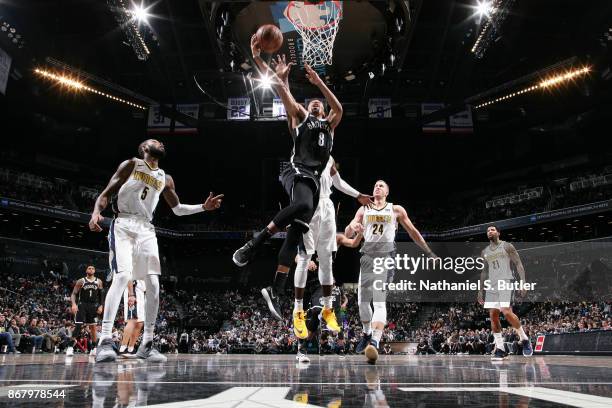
(432, 54)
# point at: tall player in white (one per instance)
(132, 242)
(378, 223)
(321, 237)
(499, 254)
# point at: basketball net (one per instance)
(317, 23)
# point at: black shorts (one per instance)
(291, 173)
(87, 314)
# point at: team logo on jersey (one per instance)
(148, 180)
(378, 218)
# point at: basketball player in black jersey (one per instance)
(312, 131)
(87, 301)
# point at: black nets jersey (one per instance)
(312, 144)
(89, 292)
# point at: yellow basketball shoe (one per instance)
(299, 324)
(330, 319)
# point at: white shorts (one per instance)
(496, 299)
(321, 237)
(133, 247)
(138, 310)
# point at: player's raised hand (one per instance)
(281, 67)
(365, 199)
(312, 75)
(94, 222)
(213, 203)
(255, 47)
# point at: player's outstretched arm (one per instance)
(335, 107)
(295, 112)
(115, 183)
(415, 235)
(346, 188)
(343, 240)
(211, 203)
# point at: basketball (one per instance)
(270, 38)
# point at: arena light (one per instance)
(140, 13)
(496, 12)
(265, 82)
(484, 8)
(78, 86)
(555, 80)
(128, 18)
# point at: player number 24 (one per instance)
(377, 229)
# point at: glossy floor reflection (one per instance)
(330, 381)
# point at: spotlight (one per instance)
(371, 75)
(140, 13)
(544, 84)
(77, 85)
(485, 8)
(265, 82)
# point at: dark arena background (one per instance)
(473, 112)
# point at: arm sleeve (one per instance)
(187, 209)
(343, 186)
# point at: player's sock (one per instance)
(298, 305)
(130, 349)
(499, 341)
(262, 237)
(377, 335)
(521, 333)
(147, 334)
(107, 330)
(367, 328)
(279, 282)
(122, 348)
(328, 301)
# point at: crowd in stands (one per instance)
(34, 313)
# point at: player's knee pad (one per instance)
(326, 276)
(365, 311)
(380, 312)
(301, 270)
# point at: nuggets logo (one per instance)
(148, 180)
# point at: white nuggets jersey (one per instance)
(326, 180)
(139, 195)
(380, 228)
(499, 262)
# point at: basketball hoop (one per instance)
(317, 22)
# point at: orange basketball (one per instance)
(270, 38)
